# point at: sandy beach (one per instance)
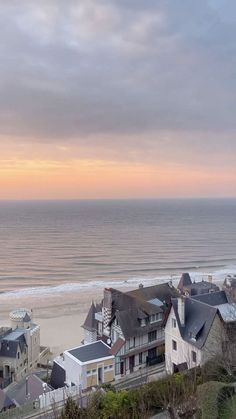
(60, 316)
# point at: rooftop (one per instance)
(15, 334)
(227, 311)
(91, 351)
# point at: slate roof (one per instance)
(195, 288)
(5, 401)
(35, 386)
(227, 312)
(90, 321)
(139, 304)
(163, 292)
(198, 321)
(9, 343)
(58, 376)
(91, 351)
(27, 318)
(184, 281)
(129, 322)
(212, 298)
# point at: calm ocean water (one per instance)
(89, 242)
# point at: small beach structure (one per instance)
(85, 366)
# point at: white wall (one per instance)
(74, 371)
(211, 348)
(51, 398)
(184, 349)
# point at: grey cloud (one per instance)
(73, 69)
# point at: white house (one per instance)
(85, 366)
(198, 329)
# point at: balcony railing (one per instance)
(159, 359)
(146, 345)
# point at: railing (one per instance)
(160, 339)
(155, 360)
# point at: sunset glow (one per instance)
(117, 101)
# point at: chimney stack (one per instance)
(210, 278)
(107, 310)
(181, 310)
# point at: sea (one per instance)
(72, 245)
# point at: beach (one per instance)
(60, 316)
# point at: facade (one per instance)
(86, 366)
(132, 324)
(19, 347)
(198, 329)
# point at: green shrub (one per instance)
(210, 396)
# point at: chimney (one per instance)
(210, 278)
(181, 310)
(107, 310)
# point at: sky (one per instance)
(117, 99)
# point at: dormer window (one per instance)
(143, 322)
(155, 317)
(192, 336)
(174, 323)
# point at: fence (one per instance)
(54, 397)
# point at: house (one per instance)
(188, 287)
(199, 328)
(132, 324)
(85, 366)
(19, 347)
(229, 286)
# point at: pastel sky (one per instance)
(117, 98)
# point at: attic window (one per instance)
(155, 317)
(174, 323)
(192, 336)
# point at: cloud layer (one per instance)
(148, 79)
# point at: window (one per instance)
(105, 367)
(140, 356)
(174, 323)
(132, 342)
(18, 355)
(111, 366)
(174, 345)
(94, 371)
(143, 322)
(152, 336)
(88, 372)
(194, 356)
(155, 317)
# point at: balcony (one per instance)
(144, 346)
